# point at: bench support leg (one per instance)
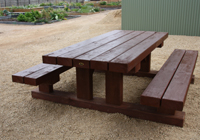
(114, 88)
(146, 64)
(46, 88)
(84, 83)
(48, 85)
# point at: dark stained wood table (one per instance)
(116, 53)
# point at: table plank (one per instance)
(51, 57)
(154, 92)
(173, 98)
(101, 62)
(86, 57)
(129, 59)
(67, 58)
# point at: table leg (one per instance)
(114, 88)
(84, 83)
(146, 64)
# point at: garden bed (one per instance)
(9, 20)
(21, 10)
(76, 13)
(108, 6)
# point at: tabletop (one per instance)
(116, 51)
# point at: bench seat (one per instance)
(44, 75)
(168, 89)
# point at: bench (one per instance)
(168, 90)
(44, 75)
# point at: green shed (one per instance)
(177, 17)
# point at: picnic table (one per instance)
(116, 53)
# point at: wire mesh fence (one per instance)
(6, 3)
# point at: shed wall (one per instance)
(178, 17)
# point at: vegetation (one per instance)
(6, 13)
(103, 3)
(78, 5)
(32, 16)
(1, 13)
(90, 4)
(114, 3)
(26, 6)
(97, 9)
(45, 16)
(46, 4)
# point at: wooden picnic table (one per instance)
(117, 52)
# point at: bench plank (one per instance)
(86, 57)
(176, 92)
(52, 57)
(67, 58)
(128, 60)
(19, 77)
(155, 90)
(101, 61)
(44, 75)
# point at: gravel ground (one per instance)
(22, 117)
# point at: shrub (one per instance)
(103, 3)
(96, 9)
(22, 18)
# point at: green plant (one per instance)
(58, 14)
(1, 13)
(42, 4)
(86, 9)
(103, 3)
(46, 14)
(72, 4)
(66, 9)
(6, 13)
(74, 10)
(50, 4)
(79, 5)
(32, 16)
(54, 16)
(96, 9)
(22, 18)
(90, 4)
(109, 4)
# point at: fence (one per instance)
(5, 3)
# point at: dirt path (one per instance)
(22, 117)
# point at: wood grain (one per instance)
(101, 61)
(175, 95)
(51, 58)
(129, 59)
(153, 93)
(129, 109)
(66, 58)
